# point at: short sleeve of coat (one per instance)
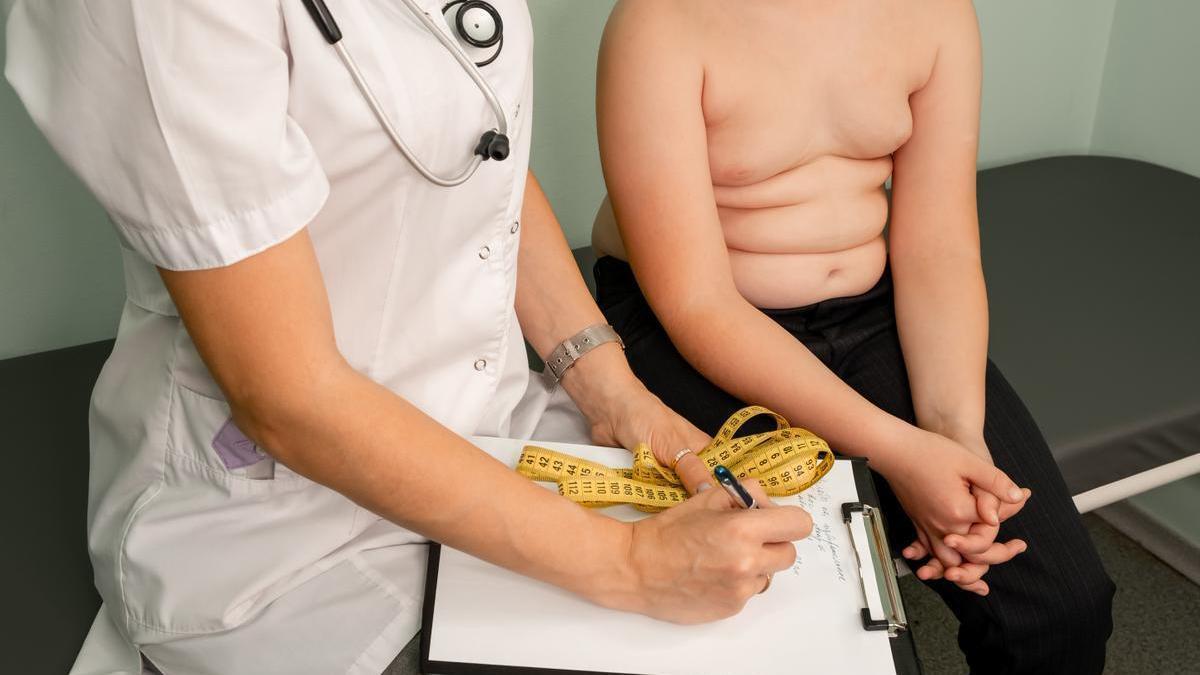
(175, 115)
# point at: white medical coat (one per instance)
(211, 130)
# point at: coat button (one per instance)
(515, 226)
(485, 252)
(480, 364)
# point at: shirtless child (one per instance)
(746, 145)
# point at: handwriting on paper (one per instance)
(827, 545)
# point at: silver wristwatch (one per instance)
(573, 348)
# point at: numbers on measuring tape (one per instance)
(785, 461)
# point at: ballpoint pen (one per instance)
(735, 489)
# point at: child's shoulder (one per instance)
(644, 28)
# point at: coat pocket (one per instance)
(224, 532)
(203, 438)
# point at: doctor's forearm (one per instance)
(553, 304)
(362, 440)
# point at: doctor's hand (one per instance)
(704, 559)
(636, 416)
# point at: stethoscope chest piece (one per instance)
(477, 24)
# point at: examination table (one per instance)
(1091, 265)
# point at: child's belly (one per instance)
(799, 236)
(808, 234)
(787, 280)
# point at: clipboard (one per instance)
(453, 578)
(874, 550)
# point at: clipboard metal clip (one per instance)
(874, 558)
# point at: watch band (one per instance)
(573, 348)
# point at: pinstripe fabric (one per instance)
(1050, 609)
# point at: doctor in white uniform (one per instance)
(326, 290)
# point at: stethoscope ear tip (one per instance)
(493, 145)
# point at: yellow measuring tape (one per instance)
(786, 461)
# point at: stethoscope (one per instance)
(479, 25)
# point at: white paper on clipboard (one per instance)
(808, 621)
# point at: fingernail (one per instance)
(1015, 494)
(703, 487)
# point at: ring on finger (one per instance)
(678, 456)
(766, 585)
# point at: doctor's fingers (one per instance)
(694, 474)
(761, 499)
(756, 490)
(746, 573)
(777, 557)
(667, 432)
(776, 524)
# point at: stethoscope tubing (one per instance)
(467, 64)
(333, 35)
(386, 122)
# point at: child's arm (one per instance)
(655, 155)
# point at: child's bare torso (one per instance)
(804, 103)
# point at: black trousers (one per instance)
(1050, 608)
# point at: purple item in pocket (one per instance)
(234, 449)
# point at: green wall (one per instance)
(1150, 102)
(1043, 64)
(60, 267)
(565, 157)
(1149, 109)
